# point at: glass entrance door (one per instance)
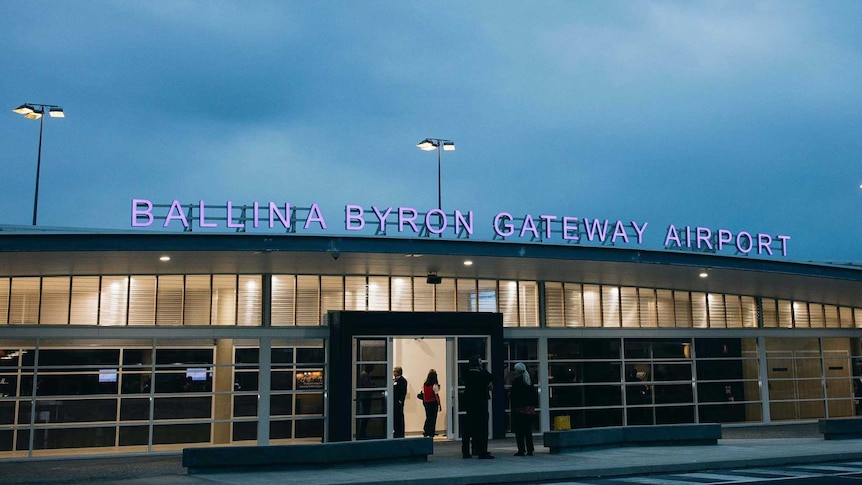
(372, 385)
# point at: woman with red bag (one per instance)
(431, 401)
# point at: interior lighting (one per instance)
(703, 274)
(165, 258)
(468, 263)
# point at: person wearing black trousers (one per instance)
(477, 389)
(399, 385)
(523, 403)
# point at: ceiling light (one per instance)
(468, 263)
(703, 274)
(165, 258)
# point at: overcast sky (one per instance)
(742, 116)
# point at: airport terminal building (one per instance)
(135, 342)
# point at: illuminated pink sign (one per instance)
(542, 228)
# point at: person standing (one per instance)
(477, 389)
(522, 397)
(400, 390)
(431, 402)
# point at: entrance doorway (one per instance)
(365, 347)
(417, 356)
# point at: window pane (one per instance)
(445, 296)
(682, 309)
(224, 300)
(647, 300)
(378, 293)
(4, 300)
(574, 305)
(733, 310)
(423, 295)
(554, 304)
(169, 310)
(749, 312)
(698, 310)
(592, 306)
(467, 298)
(355, 293)
(196, 310)
(283, 303)
(249, 298)
(85, 300)
(716, 308)
(331, 295)
(665, 303)
(112, 307)
(629, 307)
(611, 306)
(509, 303)
(528, 302)
(402, 294)
(55, 300)
(770, 312)
(24, 303)
(142, 300)
(487, 296)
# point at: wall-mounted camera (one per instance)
(335, 255)
(433, 279)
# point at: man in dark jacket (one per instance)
(400, 391)
(477, 391)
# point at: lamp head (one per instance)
(35, 115)
(24, 109)
(56, 112)
(427, 145)
(449, 146)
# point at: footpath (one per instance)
(747, 447)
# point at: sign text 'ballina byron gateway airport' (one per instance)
(408, 220)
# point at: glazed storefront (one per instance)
(156, 360)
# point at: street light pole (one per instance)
(438, 144)
(34, 111)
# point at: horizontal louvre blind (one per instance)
(749, 312)
(830, 313)
(665, 303)
(698, 310)
(592, 306)
(846, 314)
(733, 311)
(224, 300)
(611, 306)
(423, 295)
(717, 310)
(378, 293)
(487, 296)
(55, 300)
(331, 296)
(249, 298)
(24, 303)
(785, 314)
(554, 304)
(466, 296)
(142, 300)
(769, 307)
(528, 303)
(509, 303)
(85, 300)
(355, 293)
(113, 300)
(169, 302)
(815, 315)
(574, 305)
(197, 304)
(682, 309)
(647, 303)
(444, 295)
(283, 300)
(402, 294)
(800, 315)
(4, 300)
(629, 307)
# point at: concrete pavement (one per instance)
(740, 448)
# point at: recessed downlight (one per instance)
(468, 263)
(165, 258)
(703, 274)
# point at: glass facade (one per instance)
(696, 356)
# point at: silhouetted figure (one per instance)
(399, 386)
(477, 388)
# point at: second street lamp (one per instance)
(33, 111)
(438, 144)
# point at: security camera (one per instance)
(335, 255)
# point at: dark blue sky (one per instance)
(736, 115)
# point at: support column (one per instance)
(223, 380)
